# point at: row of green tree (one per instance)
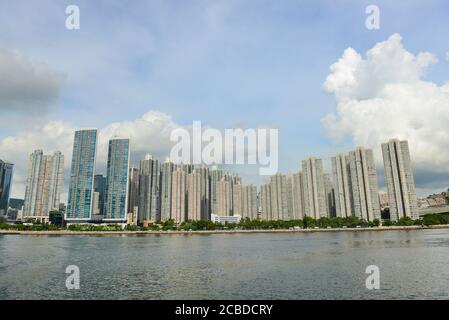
(245, 224)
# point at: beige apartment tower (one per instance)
(314, 189)
(178, 197)
(399, 180)
(43, 184)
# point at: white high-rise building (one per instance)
(297, 196)
(399, 180)
(340, 168)
(314, 189)
(363, 183)
(43, 185)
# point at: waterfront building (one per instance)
(215, 177)
(196, 195)
(116, 199)
(237, 200)
(248, 202)
(149, 190)
(363, 184)
(179, 199)
(133, 190)
(100, 189)
(343, 196)
(399, 180)
(79, 205)
(225, 219)
(330, 195)
(265, 201)
(297, 196)
(225, 198)
(167, 169)
(6, 172)
(43, 185)
(279, 204)
(383, 199)
(314, 189)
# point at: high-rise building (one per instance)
(297, 196)
(265, 202)
(363, 184)
(314, 189)
(116, 199)
(166, 192)
(205, 191)
(383, 199)
(79, 205)
(343, 196)
(43, 184)
(215, 177)
(249, 202)
(149, 190)
(6, 172)
(224, 198)
(330, 195)
(279, 200)
(133, 190)
(399, 180)
(179, 199)
(196, 195)
(100, 190)
(237, 200)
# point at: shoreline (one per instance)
(210, 232)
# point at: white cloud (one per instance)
(149, 134)
(27, 86)
(383, 95)
(447, 56)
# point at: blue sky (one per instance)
(227, 63)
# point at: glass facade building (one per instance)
(6, 171)
(100, 187)
(79, 206)
(117, 181)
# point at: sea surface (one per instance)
(412, 264)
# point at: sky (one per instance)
(311, 69)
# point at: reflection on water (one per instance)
(413, 265)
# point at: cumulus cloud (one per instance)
(149, 134)
(27, 86)
(383, 95)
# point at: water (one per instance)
(413, 265)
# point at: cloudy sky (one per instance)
(309, 68)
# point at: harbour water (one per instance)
(413, 265)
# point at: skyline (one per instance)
(225, 80)
(200, 191)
